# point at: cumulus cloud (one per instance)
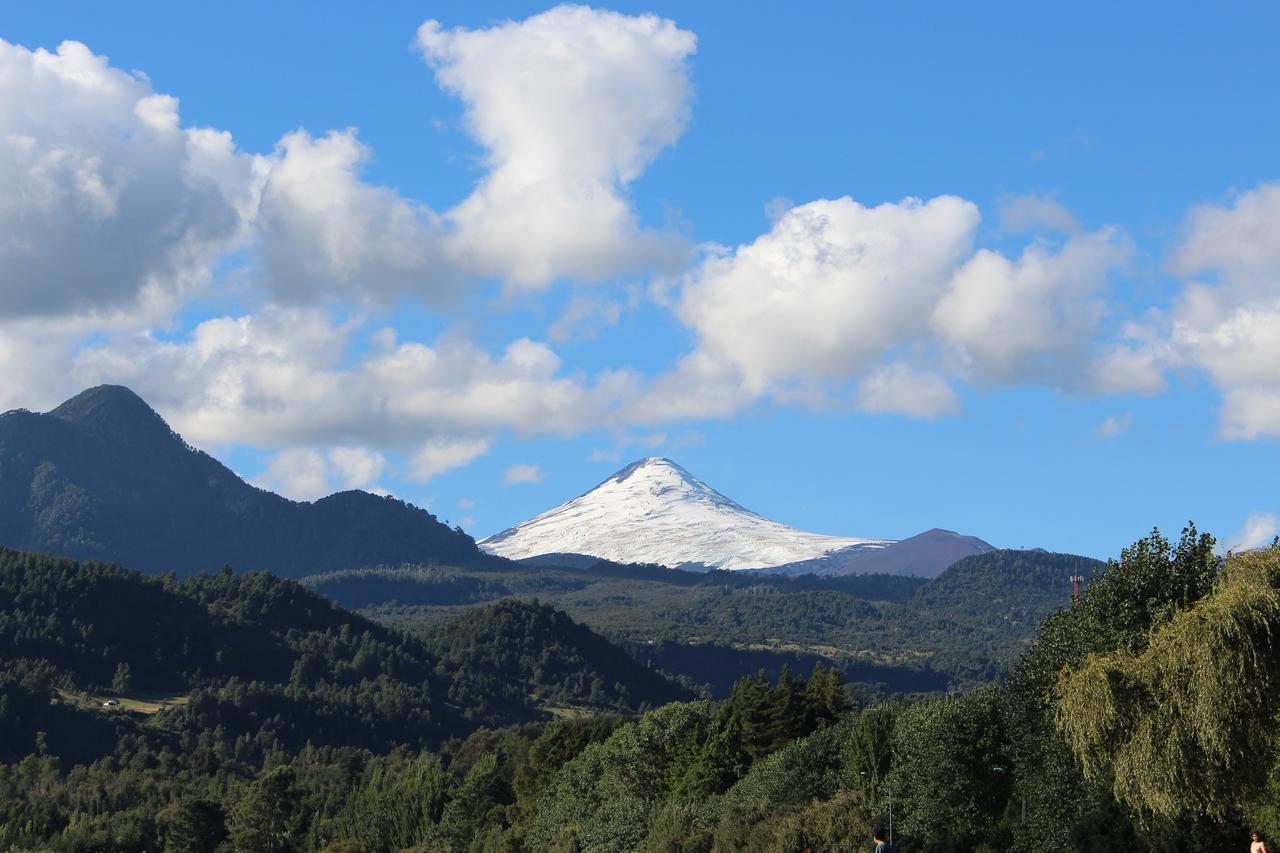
(892, 300)
(1020, 214)
(1226, 320)
(1135, 364)
(1235, 241)
(901, 389)
(571, 106)
(357, 467)
(35, 360)
(440, 455)
(1032, 319)
(523, 473)
(323, 232)
(114, 210)
(109, 205)
(306, 474)
(828, 290)
(298, 473)
(286, 378)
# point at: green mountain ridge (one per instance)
(104, 477)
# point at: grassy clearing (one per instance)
(137, 704)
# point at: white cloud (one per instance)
(306, 474)
(297, 473)
(1236, 241)
(35, 361)
(827, 291)
(440, 455)
(1113, 425)
(1258, 531)
(891, 299)
(357, 467)
(1135, 365)
(322, 232)
(1249, 413)
(1020, 214)
(902, 389)
(523, 473)
(1228, 324)
(1033, 319)
(571, 106)
(295, 377)
(109, 206)
(112, 208)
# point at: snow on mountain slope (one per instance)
(654, 511)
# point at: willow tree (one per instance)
(1185, 726)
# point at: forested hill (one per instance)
(514, 648)
(104, 477)
(1005, 585)
(268, 665)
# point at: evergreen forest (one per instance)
(253, 714)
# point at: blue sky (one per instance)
(540, 262)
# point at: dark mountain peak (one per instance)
(104, 477)
(111, 399)
(115, 413)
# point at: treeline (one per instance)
(1138, 719)
(960, 630)
(531, 787)
(266, 667)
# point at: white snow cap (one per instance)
(654, 511)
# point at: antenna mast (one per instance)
(1076, 580)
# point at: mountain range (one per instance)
(654, 511)
(104, 477)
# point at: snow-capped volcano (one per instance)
(654, 511)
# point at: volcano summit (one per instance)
(654, 511)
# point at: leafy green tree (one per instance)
(477, 803)
(950, 779)
(1153, 580)
(870, 747)
(1185, 727)
(265, 820)
(806, 771)
(193, 825)
(397, 807)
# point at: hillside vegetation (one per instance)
(1135, 720)
(266, 665)
(885, 633)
